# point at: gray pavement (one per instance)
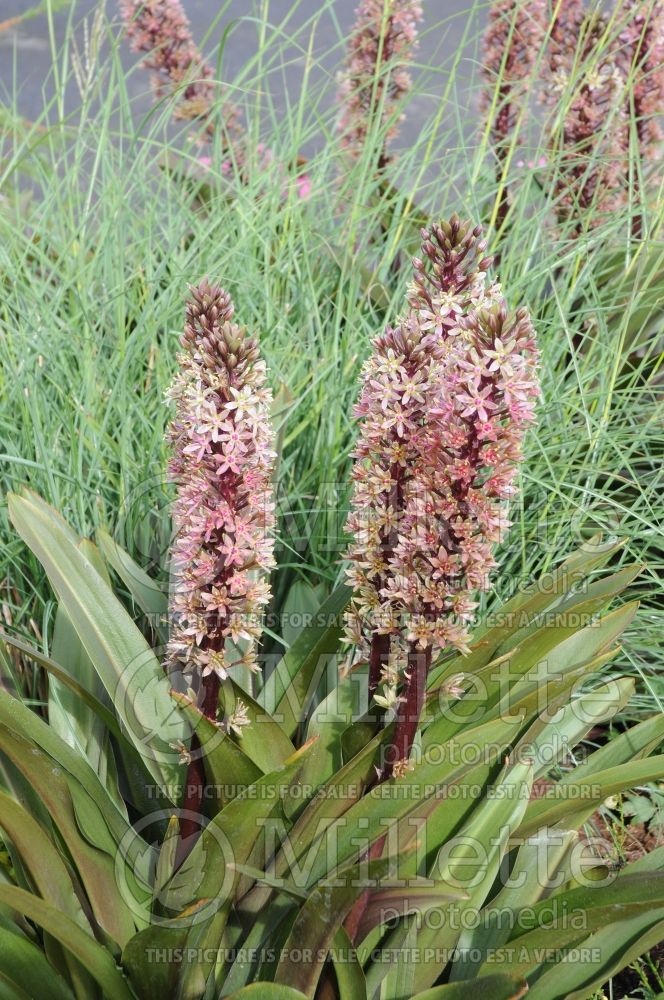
(25, 50)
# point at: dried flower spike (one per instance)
(446, 398)
(223, 515)
(160, 29)
(375, 80)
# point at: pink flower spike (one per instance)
(442, 419)
(223, 454)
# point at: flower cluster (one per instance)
(446, 398)
(223, 515)
(160, 29)
(641, 61)
(375, 80)
(591, 138)
(512, 42)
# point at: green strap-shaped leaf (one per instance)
(147, 593)
(551, 652)
(18, 719)
(617, 946)
(316, 924)
(472, 859)
(72, 717)
(540, 861)
(351, 981)
(638, 741)
(151, 979)
(334, 799)
(398, 798)
(294, 680)
(228, 840)
(264, 741)
(26, 972)
(497, 987)
(407, 899)
(95, 867)
(105, 715)
(228, 768)
(267, 991)
(95, 958)
(547, 741)
(574, 798)
(42, 860)
(510, 618)
(126, 665)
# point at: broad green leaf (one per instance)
(26, 970)
(126, 665)
(294, 680)
(496, 987)
(369, 818)
(147, 593)
(95, 867)
(574, 650)
(329, 720)
(628, 894)
(576, 609)
(301, 604)
(399, 982)
(551, 652)
(267, 991)
(572, 801)
(574, 919)
(471, 860)
(154, 980)
(636, 742)
(228, 769)
(619, 944)
(520, 610)
(18, 719)
(267, 924)
(418, 896)
(229, 840)
(560, 728)
(101, 711)
(332, 801)
(42, 859)
(539, 866)
(95, 958)
(351, 982)
(263, 740)
(318, 921)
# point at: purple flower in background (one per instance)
(375, 79)
(511, 46)
(160, 29)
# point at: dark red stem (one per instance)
(194, 790)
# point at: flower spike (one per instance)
(160, 29)
(223, 515)
(446, 398)
(376, 80)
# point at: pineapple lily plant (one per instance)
(395, 807)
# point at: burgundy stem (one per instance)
(408, 717)
(419, 662)
(380, 648)
(195, 781)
